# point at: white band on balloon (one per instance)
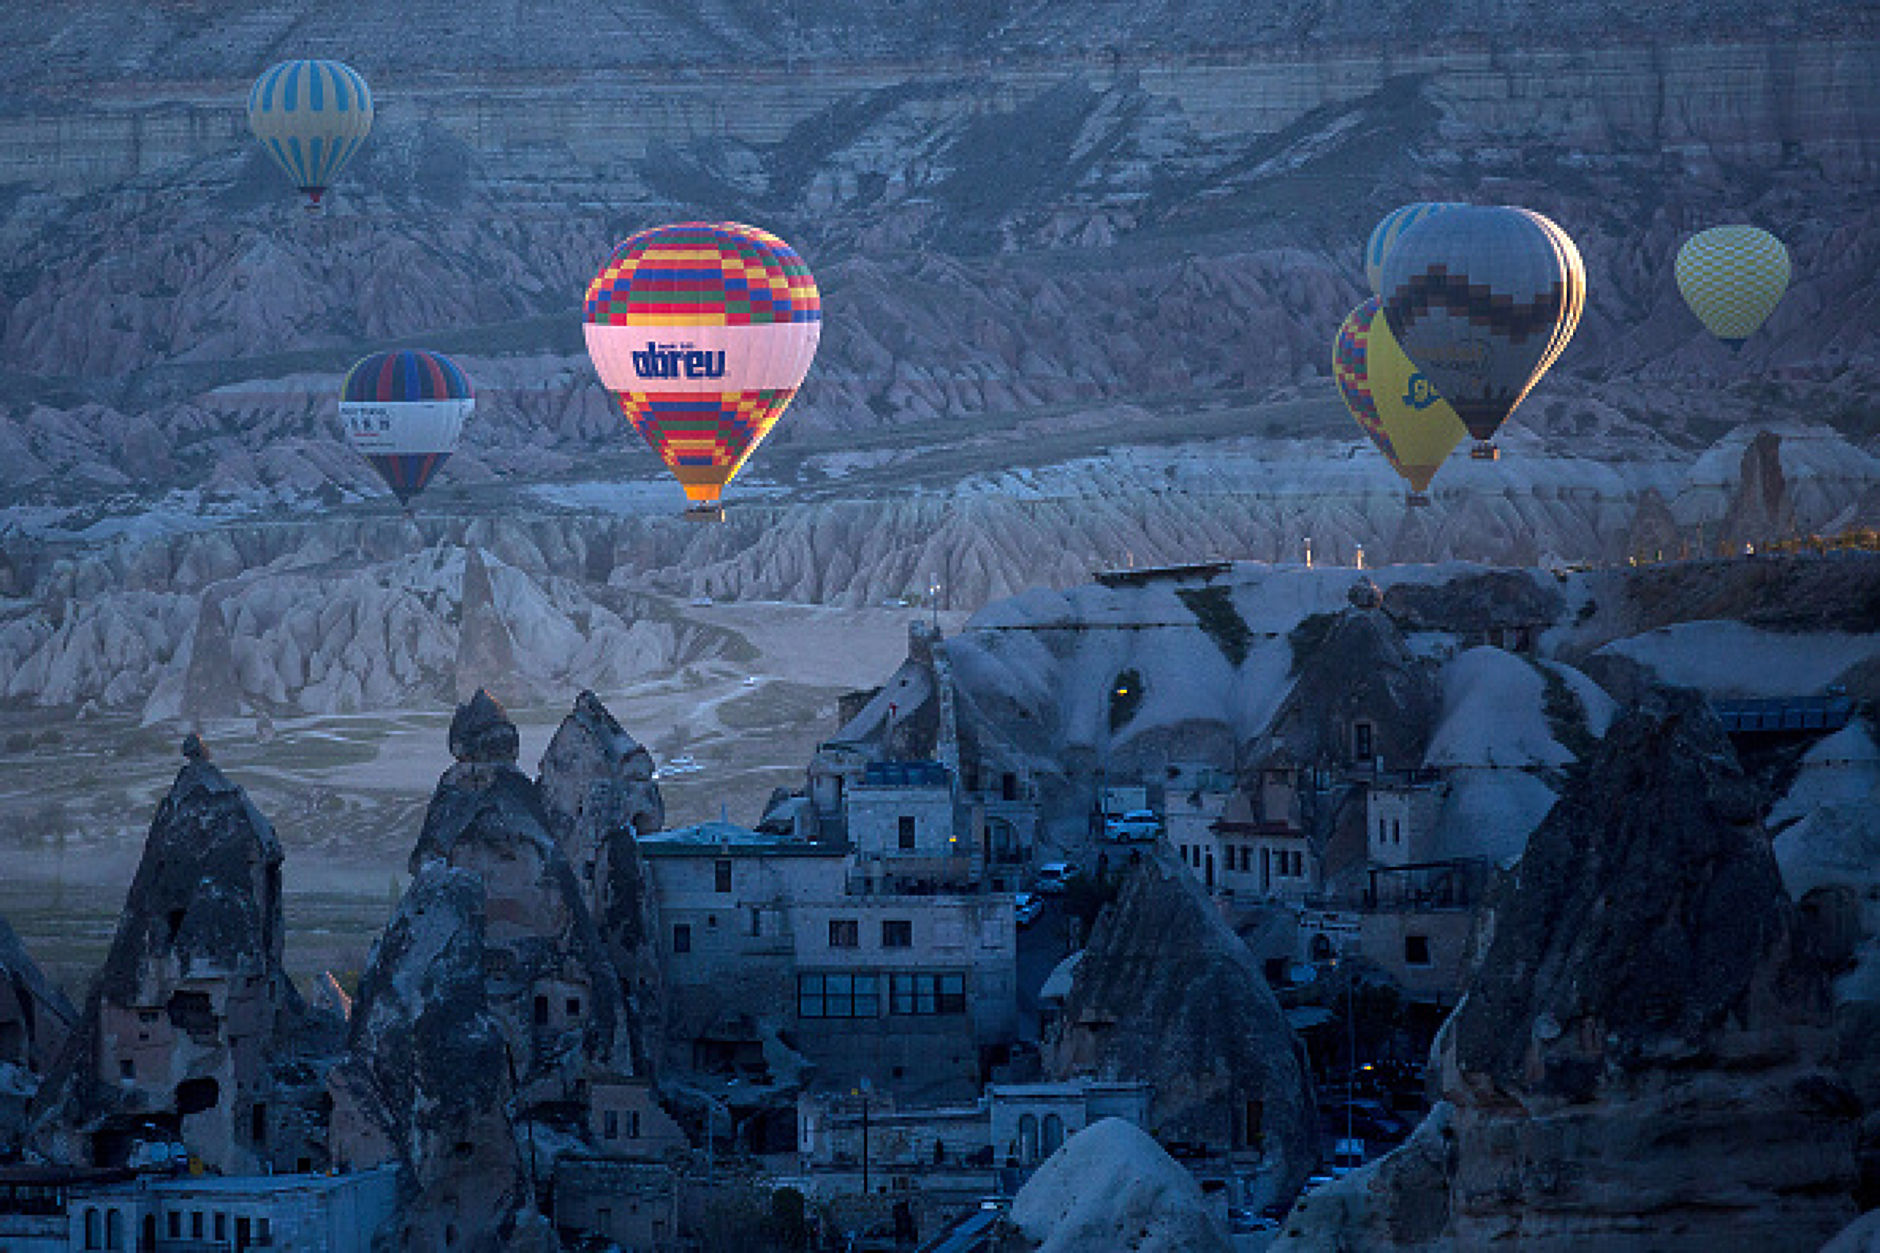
(396, 428)
(702, 358)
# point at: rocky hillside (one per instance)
(1081, 266)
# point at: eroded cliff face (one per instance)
(1646, 1054)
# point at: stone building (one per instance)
(634, 1205)
(766, 934)
(314, 1213)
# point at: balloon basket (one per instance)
(1416, 500)
(1485, 452)
(713, 512)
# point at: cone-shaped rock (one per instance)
(192, 1023)
(1166, 993)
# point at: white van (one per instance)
(1054, 876)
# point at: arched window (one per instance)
(1321, 949)
(113, 1229)
(1053, 1135)
(94, 1230)
(1028, 1139)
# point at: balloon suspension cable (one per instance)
(1485, 451)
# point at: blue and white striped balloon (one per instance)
(310, 116)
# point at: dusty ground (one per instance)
(347, 794)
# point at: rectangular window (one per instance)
(221, 1226)
(907, 831)
(574, 1007)
(845, 933)
(721, 875)
(1396, 832)
(127, 1068)
(175, 1225)
(1361, 739)
(681, 937)
(897, 933)
(922, 994)
(610, 1125)
(195, 1225)
(1416, 950)
(633, 1124)
(838, 996)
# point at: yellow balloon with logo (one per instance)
(1402, 412)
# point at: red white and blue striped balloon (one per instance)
(310, 116)
(404, 411)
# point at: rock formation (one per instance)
(1112, 1189)
(486, 653)
(1644, 1058)
(1357, 672)
(1828, 846)
(1167, 994)
(1760, 509)
(429, 1078)
(192, 1030)
(489, 1008)
(35, 1021)
(596, 782)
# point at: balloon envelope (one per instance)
(1408, 420)
(1733, 277)
(404, 411)
(1484, 300)
(1386, 232)
(310, 116)
(703, 331)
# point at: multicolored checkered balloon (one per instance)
(703, 331)
(1733, 277)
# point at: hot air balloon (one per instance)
(703, 331)
(310, 116)
(1484, 300)
(1386, 232)
(404, 412)
(1409, 421)
(1733, 277)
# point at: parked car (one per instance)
(1242, 1220)
(1027, 906)
(701, 602)
(1054, 877)
(1135, 826)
